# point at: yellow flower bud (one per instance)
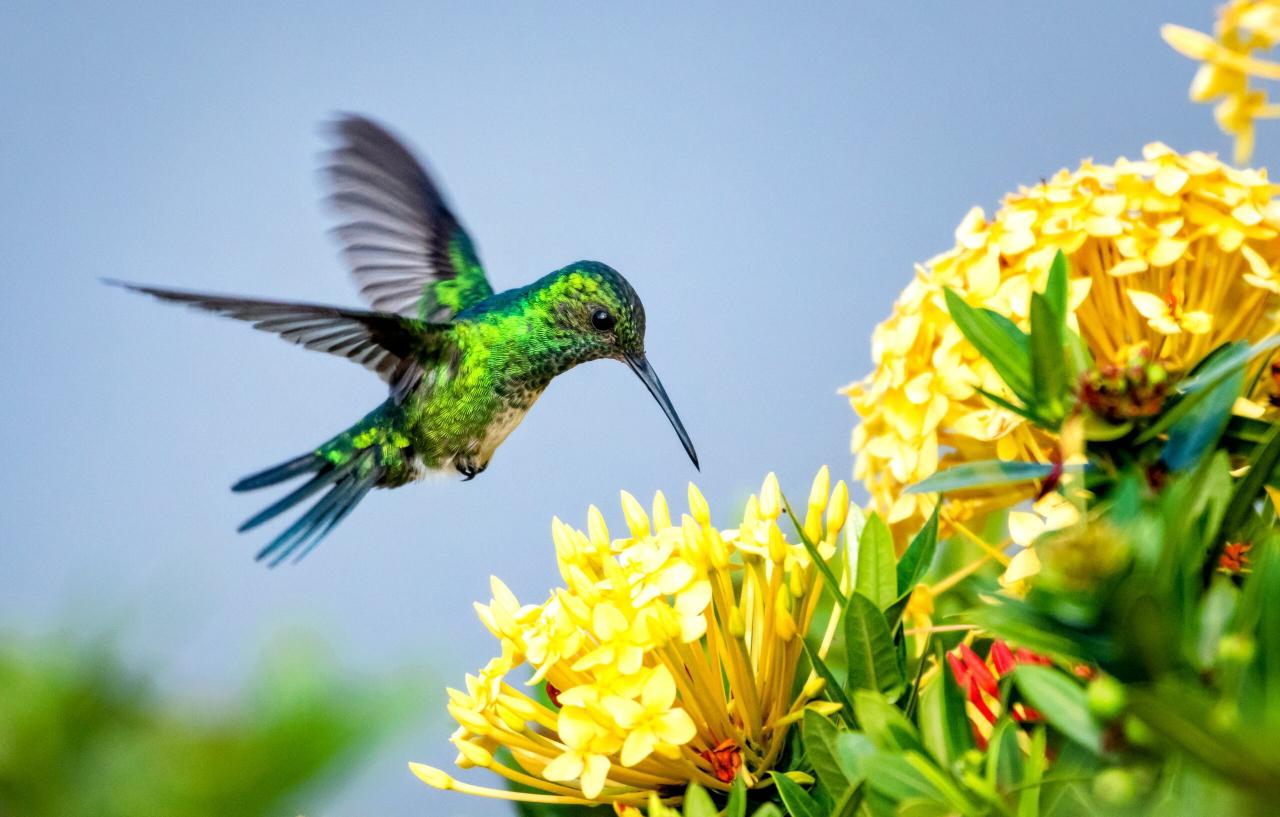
(698, 505)
(813, 687)
(597, 529)
(661, 513)
(636, 518)
(431, 776)
(475, 755)
(837, 510)
(770, 497)
(784, 622)
(821, 487)
(797, 581)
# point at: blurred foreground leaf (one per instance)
(82, 735)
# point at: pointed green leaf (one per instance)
(1199, 429)
(1062, 703)
(993, 336)
(1057, 289)
(1261, 466)
(820, 748)
(833, 689)
(1004, 756)
(884, 723)
(873, 661)
(981, 474)
(918, 556)
(798, 801)
(876, 576)
(1048, 368)
(831, 584)
(851, 748)
(1014, 408)
(944, 724)
(1029, 796)
(848, 805)
(910, 776)
(697, 803)
(1224, 361)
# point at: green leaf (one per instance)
(1261, 465)
(892, 775)
(981, 474)
(991, 335)
(697, 803)
(884, 723)
(737, 806)
(831, 583)
(848, 805)
(1048, 369)
(1004, 756)
(1184, 716)
(918, 556)
(1223, 362)
(910, 776)
(1198, 430)
(873, 661)
(876, 576)
(1061, 701)
(944, 724)
(820, 748)
(1079, 358)
(767, 810)
(1021, 411)
(1029, 797)
(833, 690)
(796, 799)
(851, 748)
(1057, 289)
(1219, 363)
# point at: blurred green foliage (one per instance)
(81, 734)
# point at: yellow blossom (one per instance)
(1177, 252)
(1051, 512)
(1229, 64)
(669, 656)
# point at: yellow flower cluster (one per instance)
(1175, 253)
(669, 656)
(1244, 27)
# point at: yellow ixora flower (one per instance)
(1230, 64)
(669, 656)
(1173, 254)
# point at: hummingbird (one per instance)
(463, 364)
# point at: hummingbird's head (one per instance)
(596, 305)
(603, 315)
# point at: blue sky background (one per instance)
(764, 178)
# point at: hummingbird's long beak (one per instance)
(640, 365)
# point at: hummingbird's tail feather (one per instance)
(306, 464)
(370, 453)
(356, 478)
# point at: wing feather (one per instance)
(405, 248)
(388, 344)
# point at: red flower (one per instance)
(981, 684)
(725, 760)
(1235, 559)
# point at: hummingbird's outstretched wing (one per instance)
(407, 251)
(391, 345)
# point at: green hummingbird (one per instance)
(463, 364)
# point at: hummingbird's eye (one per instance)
(602, 320)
